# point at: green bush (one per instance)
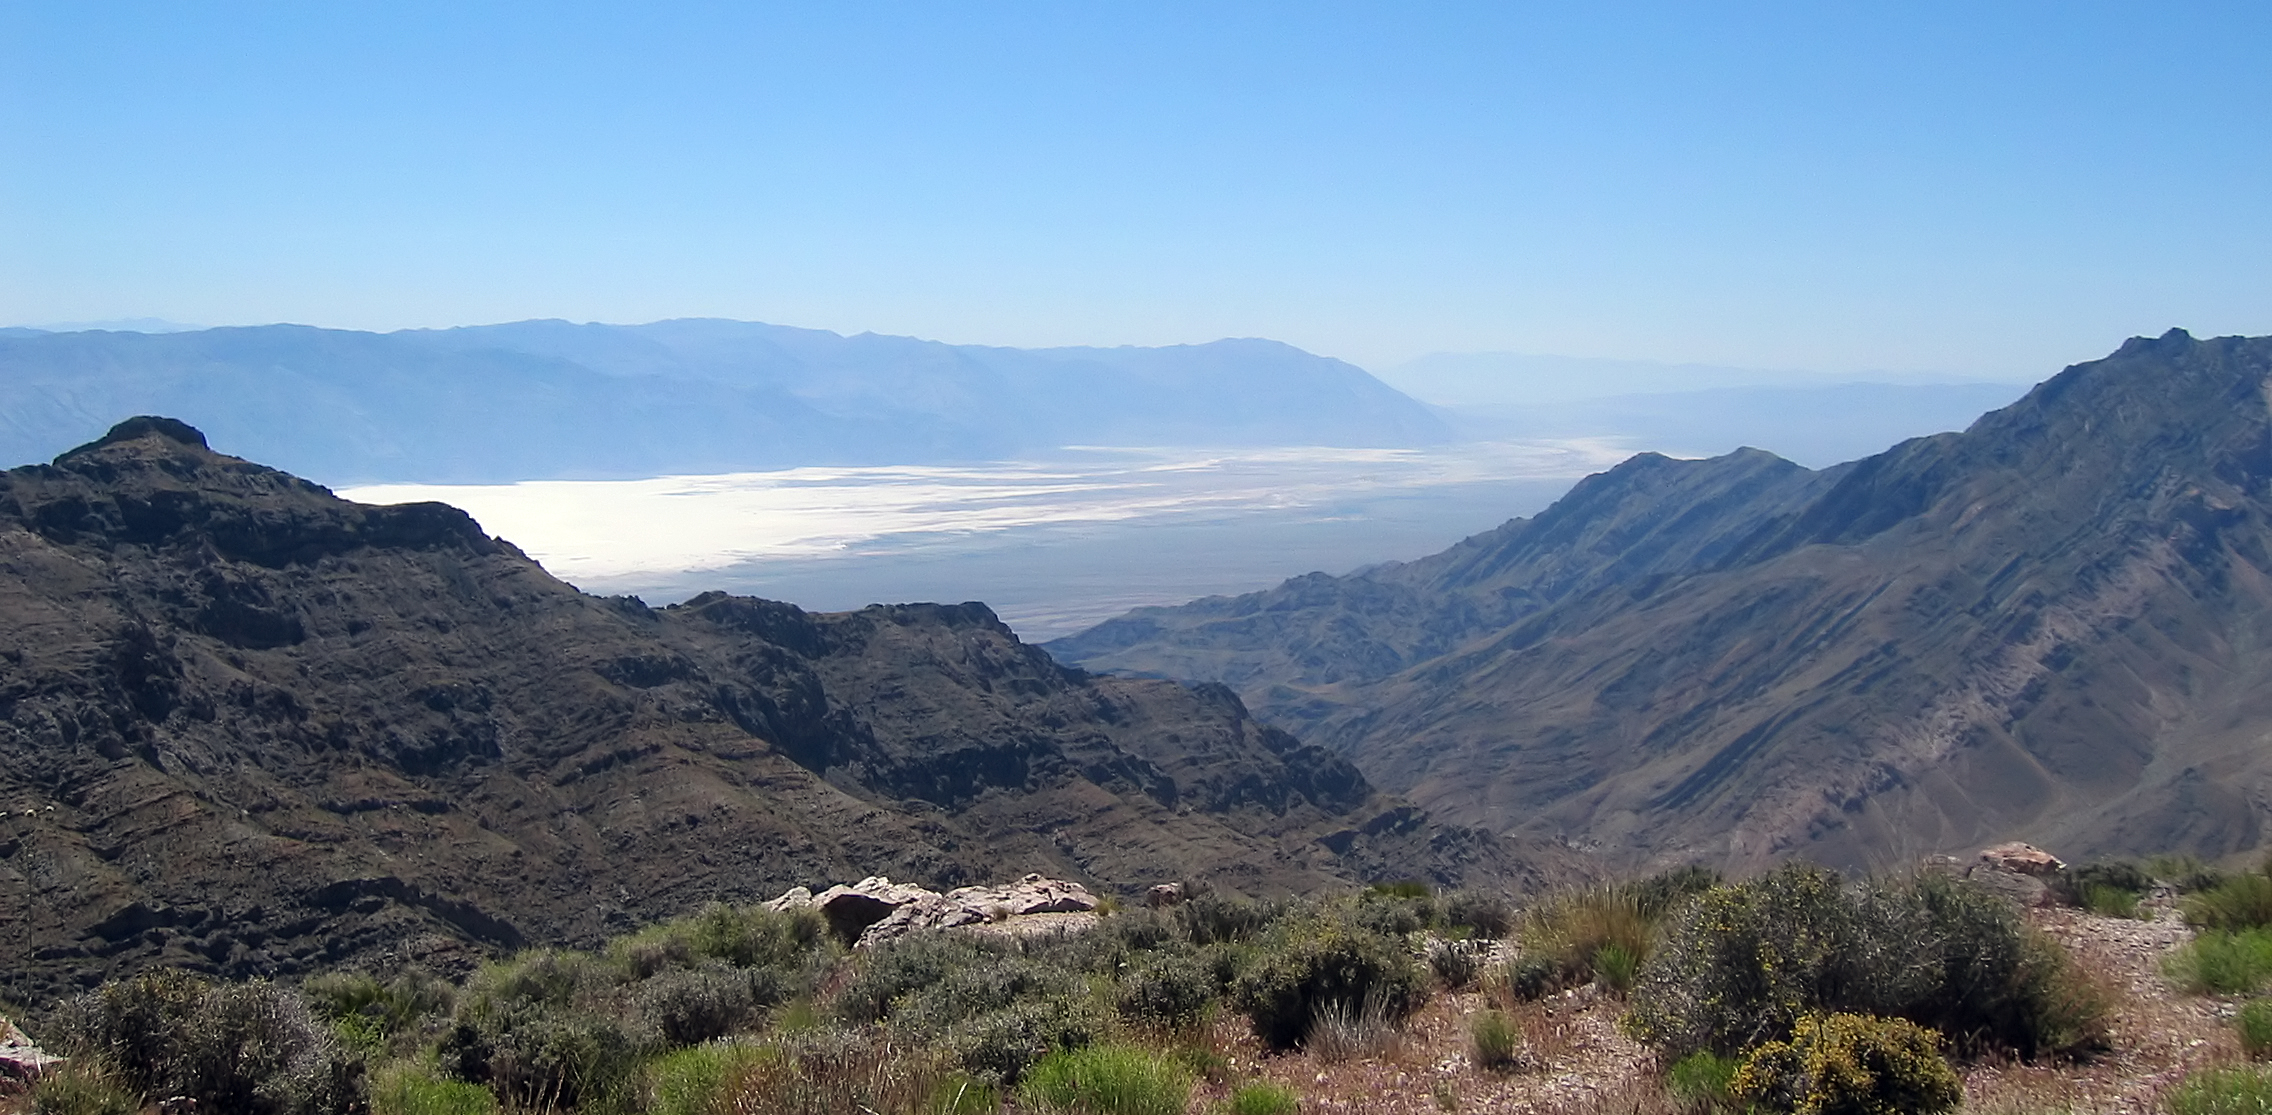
(415, 1089)
(1261, 1097)
(1658, 894)
(2227, 963)
(1481, 914)
(998, 1047)
(742, 936)
(694, 1005)
(1305, 967)
(2245, 1090)
(1168, 990)
(83, 1087)
(694, 1081)
(1849, 1064)
(2116, 884)
(2186, 873)
(253, 1048)
(371, 1015)
(548, 1028)
(1699, 1082)
(2240, 902)
(1108, 1080)
(1455, 964)
(893, 971)
(1616, 966)
(1563, 937)
(1209, 919)
(2255, 1025)
(1493, 1041)
(1745, 962)
(832, 1072)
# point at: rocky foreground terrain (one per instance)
(248, 728)
(2052, 626)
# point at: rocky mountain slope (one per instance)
(250, 728)
(551, 399)
(2055, 626)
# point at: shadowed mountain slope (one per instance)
(250, 728)
(2052, 626)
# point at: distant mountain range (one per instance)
(550, 399)
(249, 728)
(2056, 625)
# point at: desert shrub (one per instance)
(2113, 884)
(251, 1047)
(2229, 963)
(1744, 963)
(891, 972)
(1656, 895)
(831, 1072)
(1563, 936)
(1456, 963)
(693, 1081)
(1527, 978)
(84, 1086)
(2186, 873)
(547, 1028)
(2255, 1025)
(2245, 1090)
(1493, 1041)
(690, 1006)
(1261, 1097)
(984, 986)
(1344, 1031)
(370, 1014)
(1849, 1064)
(1305, 965)
(1209, 919)
(1001, 1045)
(1478, 913)
(415, 1088)
(2240, 902)
(1108, 1080)
(1615, 966)
(1699, 1082)
(1168, 990)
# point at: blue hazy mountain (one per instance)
(555, 399)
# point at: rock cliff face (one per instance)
(249, 728)
(2054, 626)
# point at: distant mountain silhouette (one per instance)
(249, 728)
(551, 399)
(2056, 625)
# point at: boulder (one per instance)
(851, 910)
(1033, 894)
(2023, 859)
(1164, 895)
(795, 898)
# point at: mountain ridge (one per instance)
(552, 399)
(251, 729)
(2040, 627)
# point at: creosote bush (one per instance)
(1849, 1064)
(1746, 962)
(1305, 967)
(252, 1048)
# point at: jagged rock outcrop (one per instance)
(2051, 626)
(877, 909)
(250, 729)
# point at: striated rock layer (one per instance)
(2055, 626)
(251, 729)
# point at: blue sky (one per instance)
(1985, 188)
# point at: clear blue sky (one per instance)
(1998, 188)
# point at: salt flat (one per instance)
(1054, 544)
